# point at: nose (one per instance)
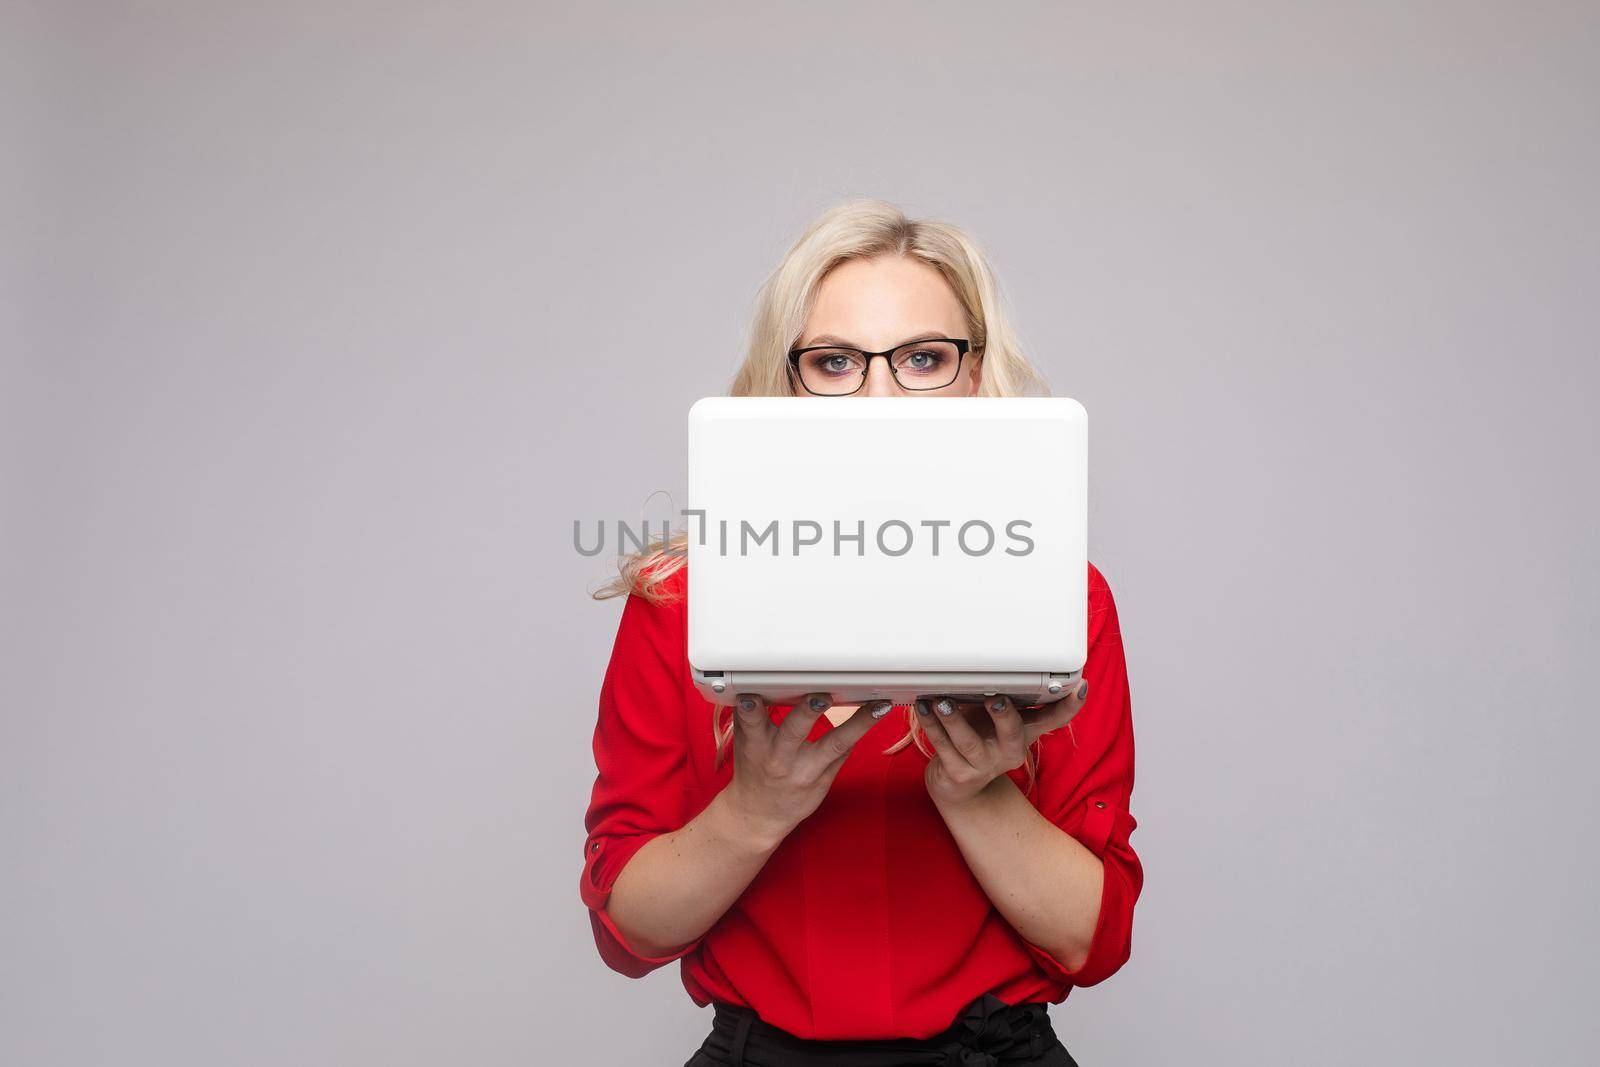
(880, 381)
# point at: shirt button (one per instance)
(1099, 803)
(595, 847)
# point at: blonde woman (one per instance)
(847, 885)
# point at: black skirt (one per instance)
(987, 1033)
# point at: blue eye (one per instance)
(924, 360)
(834, 363)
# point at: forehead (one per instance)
(881, 302)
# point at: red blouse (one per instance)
(866, 922)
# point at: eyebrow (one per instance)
(830, 339)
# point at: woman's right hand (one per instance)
(778, 776)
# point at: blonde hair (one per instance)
(860, 229)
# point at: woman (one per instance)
(918, 901)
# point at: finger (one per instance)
(796, 726)
(832, 748)
(972, 711)
(1009, 729)
(954, 764)
(972, 747)
(1055, 715)
(753, 719)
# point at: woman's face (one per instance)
(880, 303)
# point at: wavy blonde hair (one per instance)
(860, 229)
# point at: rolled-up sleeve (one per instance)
(640, 754)
(1085, 786)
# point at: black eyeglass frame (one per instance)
(963, 347)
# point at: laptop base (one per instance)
(1025, 688)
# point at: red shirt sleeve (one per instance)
(1084, 786)
(640, 754)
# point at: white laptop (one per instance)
(887, 547)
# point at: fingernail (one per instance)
(1083, 690)
(945, 707)
(747, 704)
(998, 704)
(922, 708)
(881, 710)
(819, 704)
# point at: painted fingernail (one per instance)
(819, 704)
(881, 710)
(922, 708)
(747, 704)
(945, 707)
(1083, 690)
(997, 705)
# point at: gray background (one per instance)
(322, 323)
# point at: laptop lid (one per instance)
(897, 534)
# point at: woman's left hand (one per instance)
(976, 743)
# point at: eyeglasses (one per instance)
(829, 370)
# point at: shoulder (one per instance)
(1102, 606)
(1097, 580)
(661, 581)
(1099, 588)
(660, 593)
(674, 587)
(653, 609)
